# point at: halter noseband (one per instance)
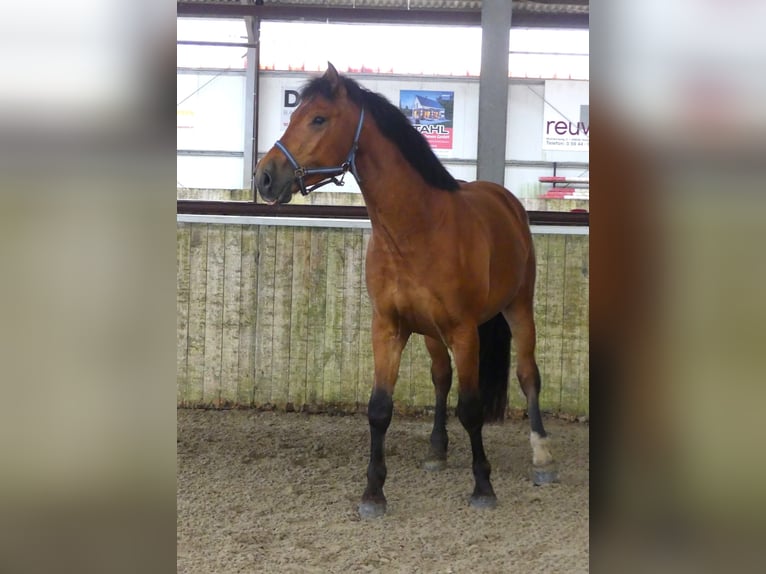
(329, 173)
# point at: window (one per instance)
(432, 68)
(210, 107)
(545, 53)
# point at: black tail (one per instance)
(494, 366)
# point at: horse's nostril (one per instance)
(264, 183)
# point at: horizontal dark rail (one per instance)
(245, 208)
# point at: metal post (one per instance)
(253, 26)
(493, 89)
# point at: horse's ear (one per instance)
(332, 77)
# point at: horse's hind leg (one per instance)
(520, 317)
(470, 410)
(388, 341)
(441, 376)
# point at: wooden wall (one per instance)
(279, 315)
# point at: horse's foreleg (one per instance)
(470, 411)
(521, 320)
(387, 345)
(441, 377)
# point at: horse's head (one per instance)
(319, 143)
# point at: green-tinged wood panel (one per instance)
(364, 347)
(283, 289)
(183, 240)
(420, 373)
(232, 292)
(404, 385)
(264, 323)
(552, 329)
(575, 328)
(403, 389)
(278, 315)
(215, 194)
(583, 399)
(350, 327)
(334, 316)
(452, 397)
(322, 197)
(214, 315)
(197, 314)
(518, 400)
(569, 382)
(299, 317)
(247, 315)
(317, 311)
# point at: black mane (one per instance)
(393, 125)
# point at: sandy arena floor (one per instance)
(277, 493)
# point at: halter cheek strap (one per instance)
(330, 173)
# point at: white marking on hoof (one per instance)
(369, 510)
(541, 454)
(484, 502)
(434, 464)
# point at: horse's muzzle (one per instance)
(271, 187)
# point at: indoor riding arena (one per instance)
(275, 310)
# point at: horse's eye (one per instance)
(318, 120)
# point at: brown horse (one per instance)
(452, 261)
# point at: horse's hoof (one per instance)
(369, 509)
(434, 464)
(544, 475)
(483, 501)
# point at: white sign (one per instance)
(566, 116)
(185, 119)
(290, 101)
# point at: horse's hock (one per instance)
(274, 315)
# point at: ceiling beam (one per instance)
(340, 14)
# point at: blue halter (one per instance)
(330, 173)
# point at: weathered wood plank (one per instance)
(352, 263)
(232, 291)
(197, 314)
(584, 333)
(542, 355)
(452, 397)
(366, 365)
(183, 241)
(553, 292)
(569, 384)
(214, 315)
(299, 317)
(264, 322)
(334, 316)
(583, 337)
(404, 386)
(420, 372)
(283, 287)
(317, 310)
(247, 315)
(573, 329)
